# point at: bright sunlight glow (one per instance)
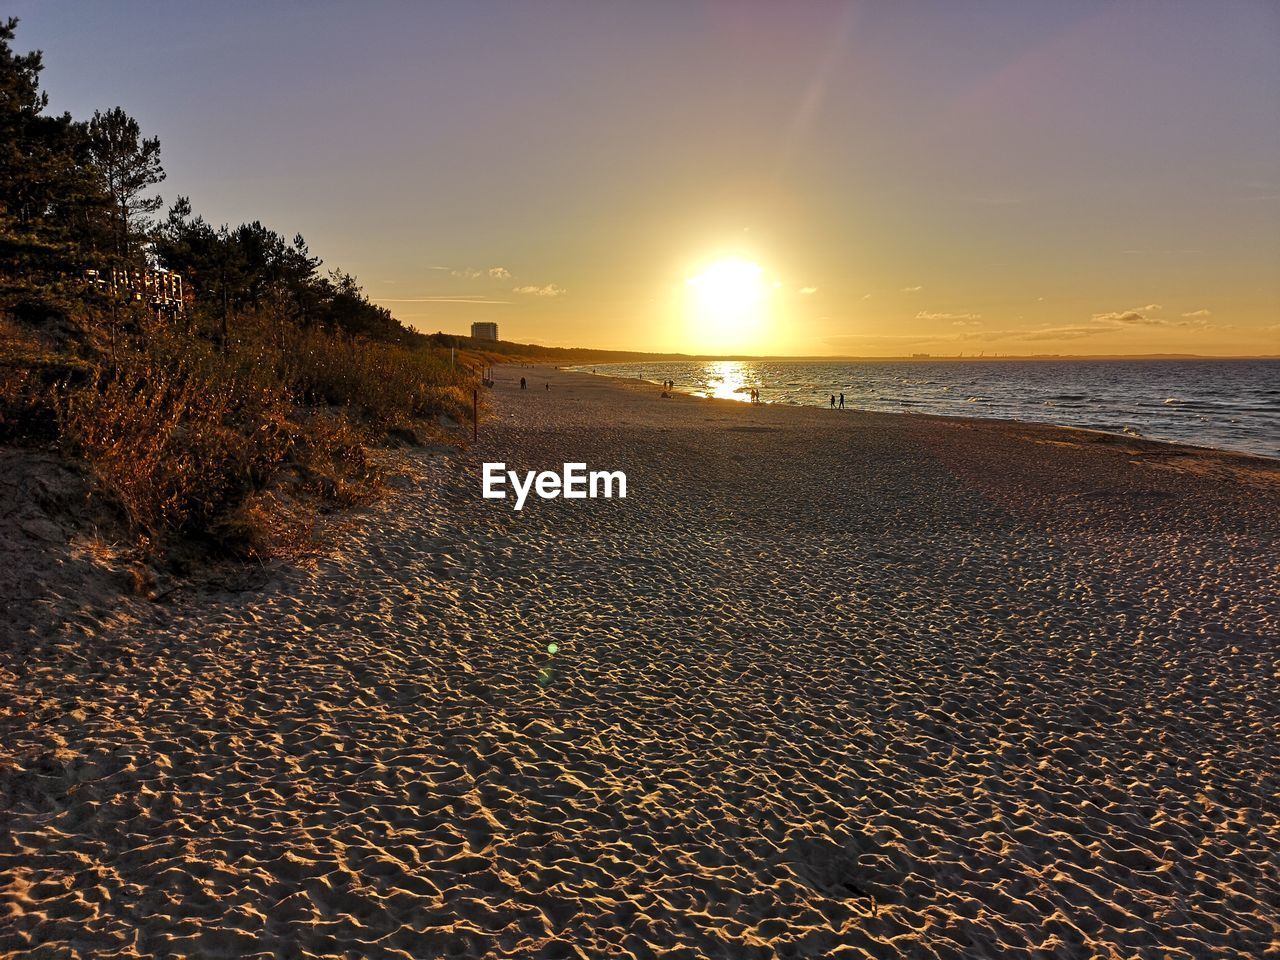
(728, 298)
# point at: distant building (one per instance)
(484, 331)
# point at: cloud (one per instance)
(550, 290)
(1127, 317)
(912, 289)
(866, 296)
(806, 291)
(959, 337)
(960, 317)
(438, 300)
(471, 273)
(1060, 333)
(1142, 316)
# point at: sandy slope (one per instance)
(827, 685)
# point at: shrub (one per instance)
(243, 447)
(178, 436)
(386, 384)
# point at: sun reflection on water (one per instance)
(729, 380)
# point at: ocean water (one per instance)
(1228, 404)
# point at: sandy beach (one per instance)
(825, 684)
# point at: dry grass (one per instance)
(178, 439)
(384, 384)
(240, 450)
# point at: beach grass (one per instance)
(192, 442)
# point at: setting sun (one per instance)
(727, 302)
(708, 479)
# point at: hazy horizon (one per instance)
(828, 180)
(948, 356)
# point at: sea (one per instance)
(1227, 404)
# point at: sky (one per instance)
(818, 178)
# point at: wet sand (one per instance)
(826, 685)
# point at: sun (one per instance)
(727, 300)
(729, 286)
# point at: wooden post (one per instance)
(475, 413)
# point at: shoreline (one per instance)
(1177, 445)
(1246, 446)
(879, 685)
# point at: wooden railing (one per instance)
(161, 289)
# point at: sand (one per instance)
(827, 685)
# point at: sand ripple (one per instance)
(866, 687)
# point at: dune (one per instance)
(824, 684)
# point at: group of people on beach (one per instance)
(668, 387)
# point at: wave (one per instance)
(1228, 404)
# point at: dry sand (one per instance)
(828, 685)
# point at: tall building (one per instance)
(484, 331)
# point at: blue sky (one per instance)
(1014, 177)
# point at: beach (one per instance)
(824, 684)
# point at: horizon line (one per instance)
(670, 355)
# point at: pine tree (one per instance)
(129, 165)
(52, 209)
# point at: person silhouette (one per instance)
(833, 401)
(522, 383)
(842, 401)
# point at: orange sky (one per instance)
(1013, 177)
